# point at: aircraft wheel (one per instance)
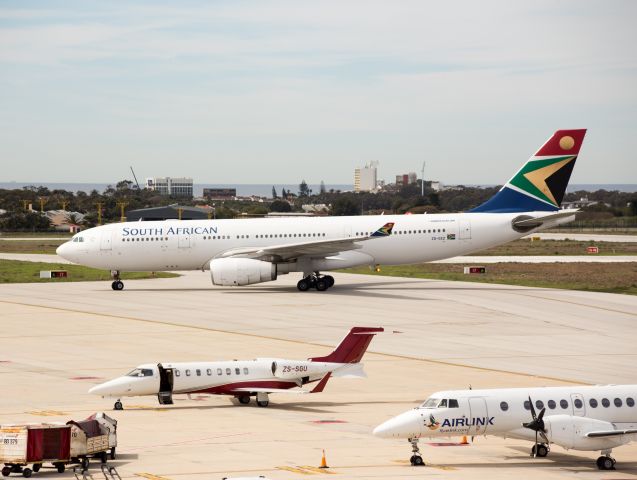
(542, 451)
(303, 285)
(6, 471)
(244, 399)
(606, 463)
(263, 403)
(321, 285)
(27, 472)
(416, 461)
(118, 405)
(330, 280)
(119, 285)
(37, 467)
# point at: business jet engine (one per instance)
(570, 432)
(241, 271)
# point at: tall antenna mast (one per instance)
(135, 177)
(422, 180)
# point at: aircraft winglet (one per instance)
(384, 231)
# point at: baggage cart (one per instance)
(93, 437)
(34, 444)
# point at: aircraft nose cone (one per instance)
(62, 250)
(112, 387)
(404, 425)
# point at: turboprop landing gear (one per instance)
(118, 405)
(539, 450)
(416, 459)
(263, 400)
(315, 280)
(117, 283)
(606, 462)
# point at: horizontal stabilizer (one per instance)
(611, 433)
(526, 222)
(350, 370)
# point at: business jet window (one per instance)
(539, 404)
(237, 371)
(630, 402)
(605, 402)
(430, 403)
(219, 371)
(504, 406)
(177, 373)
(563, 404)
(198, 372)
(228, 371)
(578, 403)
(209, 372)
(618, 402)
(552, 404)
(140, 372)
(187, 373)
(453, 403)
(593, 403)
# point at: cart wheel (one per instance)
(26, 473)
(37, 467)
(113, 453)
(60, 467)
(6, 471)
(84, 462)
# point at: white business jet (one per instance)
(242, 379)
(587, 418)
(244, 252)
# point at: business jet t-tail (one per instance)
(242, 378)
(587, 418)
(245, 252)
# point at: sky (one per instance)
(279, 91)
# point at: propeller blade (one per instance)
(532, 408)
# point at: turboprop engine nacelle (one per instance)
(230, 272)
(295, 369)
(570, 432)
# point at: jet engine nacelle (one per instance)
(241, 271)
(295, 369)
(570, 432)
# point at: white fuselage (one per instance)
(190, 245)
(571, 413)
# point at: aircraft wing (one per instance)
(320, 248)
(611, 433)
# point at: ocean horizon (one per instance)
(265, 190)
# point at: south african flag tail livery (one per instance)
(540, 184)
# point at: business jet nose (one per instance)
(405, 425)
(115, 387)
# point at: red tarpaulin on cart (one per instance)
(48, 444)
(35, 445)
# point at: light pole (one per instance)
(422, 180)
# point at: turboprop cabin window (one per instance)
(593, 403)
(605, 402)
(564, 404)
(431, 403)
(140, 372)
(630, 402)
(504, 406)
(578, 403)
(618, 402)
(552, 404)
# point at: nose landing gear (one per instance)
(315, 280)
(118, 405)
(415, 459)
(606, 462)
(117, 283)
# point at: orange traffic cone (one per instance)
(323, 461)
(464, 440)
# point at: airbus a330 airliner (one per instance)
(244, 252)
(242, 378)
(586, 418)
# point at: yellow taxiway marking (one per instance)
(439, 467)
(47, 413)
(296, 470)
(151, 476)
(145, 407)
(318, 470)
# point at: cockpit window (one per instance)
(443, 403)
(140, 372)
(78, 239)
(431, 403)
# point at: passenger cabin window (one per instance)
(245, 371)
(593, 403)
(140, 372)
(539, 404)
(187, 373)
(198, 373)
(209, 372)
(177, 373)
(228, 371)
(453, 403)
(219, 371)
(527, 405)
(552, 404)
(578, 403)
(618, 402)
(430, 403)
(237, 371)
(630, 402)
(564, 404)
(605, 402)
(504, 406)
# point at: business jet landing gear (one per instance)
(539, 450)
(117, 283)
(315, 280)
(606, 462)
(118, 406)
(244, 399)
(416, 459)
(263, 400)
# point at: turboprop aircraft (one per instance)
(242, 378)
(244, 252)
(587, 418)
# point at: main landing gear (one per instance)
(117, 283)
(315, 280)
(118, 405)
(415, 459)
(539, 450)
(606, 462)
(263, 399)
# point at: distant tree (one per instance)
(284, 194)
(322, 190)
(304, 190)
(633, 207)
(280, 206)
(346, 205)
(274, 195)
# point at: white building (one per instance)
(365, 178)
(174, 187)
